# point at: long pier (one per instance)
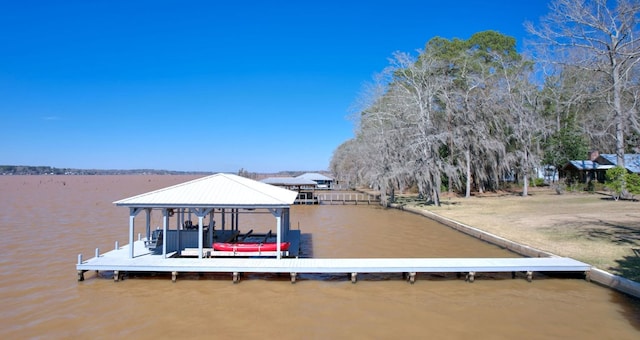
(118, 261)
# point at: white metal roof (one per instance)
(315, 176)
(288, 181)
(219, 190)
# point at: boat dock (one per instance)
(336, 198)
(347, 198)
(119, 262)
(222, 197)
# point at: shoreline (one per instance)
(596, 275)
(582, 226)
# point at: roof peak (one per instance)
(217, 190)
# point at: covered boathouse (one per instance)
(210, 198)
(203, 197)
(213, 197)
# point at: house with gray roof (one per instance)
(631, 161)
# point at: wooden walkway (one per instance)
(119, 262)
(347, 198)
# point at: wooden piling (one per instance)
(471, 276)
(412, 277)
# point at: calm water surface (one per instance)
(46, 221)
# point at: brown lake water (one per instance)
(46, 221)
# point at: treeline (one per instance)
(466, 115)
(48, 170)
(29, 170)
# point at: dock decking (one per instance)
(118, 261)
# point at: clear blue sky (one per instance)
(207, 85)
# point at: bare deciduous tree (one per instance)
(526, 126)
(444, 114)
(598, 36)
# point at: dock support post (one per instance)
(116, 276)
(471, 276)
(174, 276)
(354, 277)
(529, 276)
(587, 275)
(412, 277)
(80, 272)
(97, 252)
(236, 277)
(293, 277)
(117, 246)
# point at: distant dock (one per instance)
(348, 198)
(342, 198)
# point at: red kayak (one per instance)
(250, 246)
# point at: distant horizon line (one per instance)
(41, 168)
